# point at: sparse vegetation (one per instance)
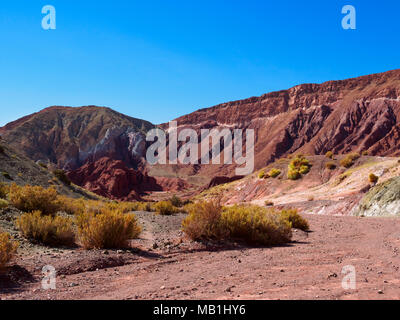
(47, 230)
(268, 203)
(329, 155)
(250, 224)
(28, 199)
(110, 229)
(273, 173)
(8, 248)
(176, 201)
(256, 225)
(365, 153)
(296, 220)
(331, 165)
(4, 190)
(346, 162)
(165, 208)
(262, 175)
(373, 178)
(3, 204)
(62, 176)
(298, 166)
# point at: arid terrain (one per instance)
(328, 151)
(308, 268)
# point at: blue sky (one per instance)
(157, 60)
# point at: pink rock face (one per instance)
(113, 179)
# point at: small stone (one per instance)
(162, 288)
(380, 292)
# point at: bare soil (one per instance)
(166, 265)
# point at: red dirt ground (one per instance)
(308, 268)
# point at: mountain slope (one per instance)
(68, 137)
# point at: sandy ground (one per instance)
(165, 265)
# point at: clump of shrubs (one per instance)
(297, 167)
(262, 175)
(273, 173)
(3, 204)
(296, 220)
(176, 201)
(8, 248)
(373, 178)
(250, 224)
(329, 155)
(107, 230)
(48, 230)
(62, 176)
(165, 208)
(348, 161)
(4, 190)
(330, 166)
(29, 198)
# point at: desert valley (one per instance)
(77, 194)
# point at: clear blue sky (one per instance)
(157, 60)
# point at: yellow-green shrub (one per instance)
(331, 165)
(262, 175)
(256, 225)
(373, 178)
(365, 153)
(176, 201)
(7, 249)
(28, 198)
(296, 220)
(329, 155)
(250, 224)
(4, 190)
(298, 166)
(204, 222)
(3, 204)
(273, 173)
(71, 206)
(293, 174)
(110, 229)
(165, 208)
(45, 229)
(346, 162)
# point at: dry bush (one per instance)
(7, 249)
(204, 221)
(373, 178)
(71, 206)
(330, 166)
(296, 220)
(107, 230)
(256, 225)
(45, 229)
(354, 156)
(365, 153)
(347, 162)
(28, 199)
(176, 201)
(293, 175)
(3, 204)
(165, 208)
(298, 166)
(262, 175)
(329, 155)
(4, 190)
(273, 173)
(250, 224)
